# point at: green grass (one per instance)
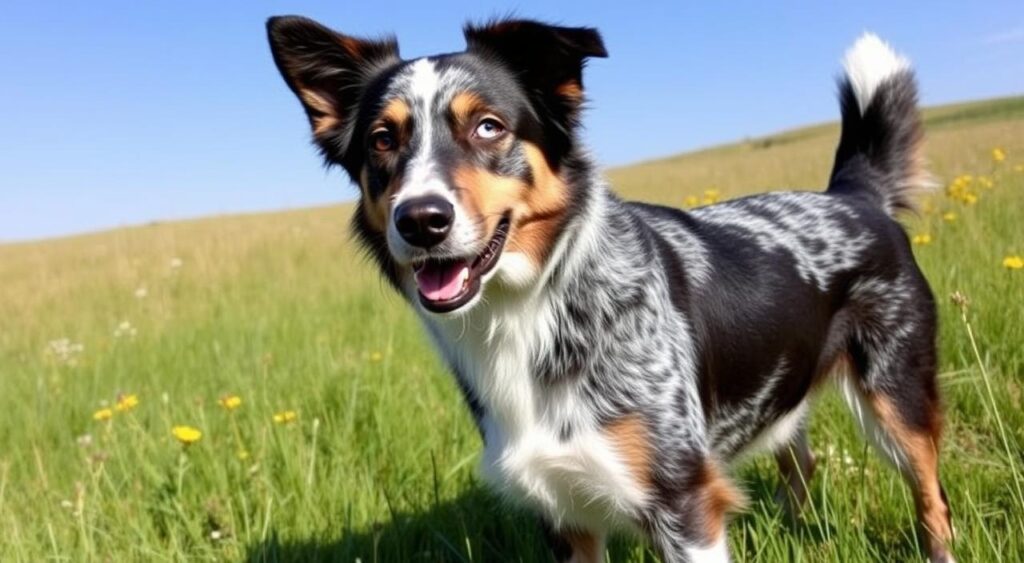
(379, 465)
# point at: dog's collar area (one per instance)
(446, 284)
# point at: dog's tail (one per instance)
(880, 154)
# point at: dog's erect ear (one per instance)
(328, 71)
(547, 60)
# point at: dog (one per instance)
(618, 356)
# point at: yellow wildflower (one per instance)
(284, 417)
(186, 434)
(243, 454)
(127, 402)
(230, 402)
(998, 155)
(922, 239)
(1013, 262)
(985, 182)
(376, 356)
(103, 414)
(1019, 168)
(691, 201)
(949, 216)
(711, 196)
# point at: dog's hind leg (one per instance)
(796, 464)
(893, 392)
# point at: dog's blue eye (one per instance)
(489, 128)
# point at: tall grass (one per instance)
(379, 461)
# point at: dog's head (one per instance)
(461, 159)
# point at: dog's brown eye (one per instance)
(382, 140)
(489, 128)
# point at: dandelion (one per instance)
(711, 196)
(141, 293)
(691, 201)
(285, 417)
(922, 239)
(376, 356)
(1013, 262)
(230, 402)
(186, 434)
(103, 414)
(961, 189)
(949, 216)
(998, 155)
(126, 402)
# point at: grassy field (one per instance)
(350, 442)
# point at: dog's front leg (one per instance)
(571, 545)
(687, 523)
(683, 538)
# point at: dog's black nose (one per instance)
(425, 221)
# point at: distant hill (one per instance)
(797, 158)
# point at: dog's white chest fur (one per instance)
(576, 481)
(581, 479)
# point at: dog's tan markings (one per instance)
(537, 209)
(377, 209)
(465, 105)
(324, 115)
(716, 497)
(396, 113)
(355, 48)
(920, 448)
(586, 547)
(631, 440)
(486, 195)
(546, 203)
(571, 91)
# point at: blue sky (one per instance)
(117, 113)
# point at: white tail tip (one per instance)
(868, 63)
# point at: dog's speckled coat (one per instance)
(618, 356)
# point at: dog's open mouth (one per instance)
(445, 284)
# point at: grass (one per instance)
(379, 463)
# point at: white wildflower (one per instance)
(125, 329)
(64, 351)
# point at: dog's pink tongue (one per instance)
(441, 282)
